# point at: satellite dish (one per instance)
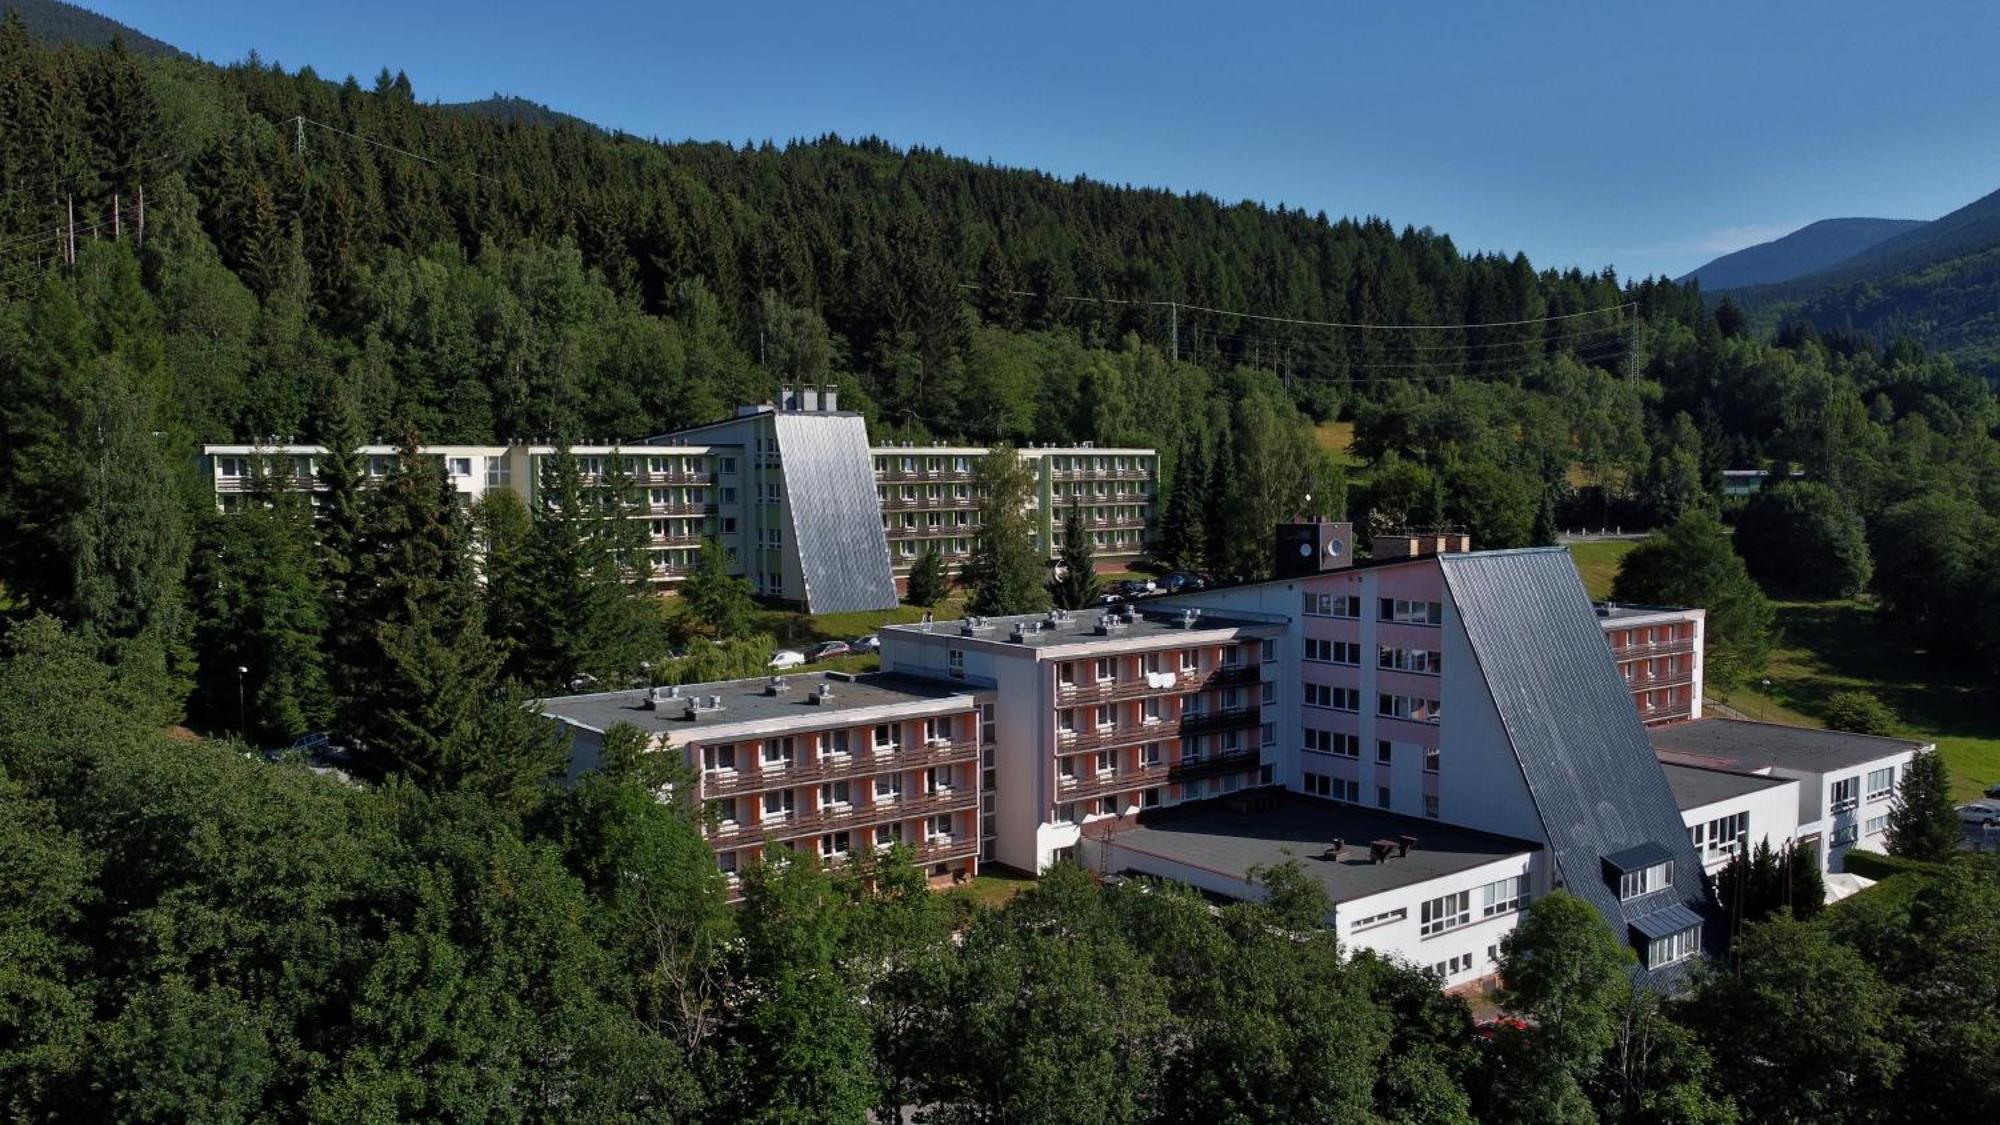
(1334, 547)
(1305, 550)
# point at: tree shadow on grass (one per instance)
(1845, 646)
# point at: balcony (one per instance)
(1239, 762)
(853, 817)
(1663, 680)
(924, 474)
(929, 532)
(1661, 648)
(723, 783)
(1125, 734)
(680, 509)
(674, 540)
(1116, 781)
(703, 477)
(1231, 719)
(924, 503)
(1101, 474)
(944, 851)
(1116, 524)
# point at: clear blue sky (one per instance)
(1646, 136)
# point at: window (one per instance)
(1881, 783)
(1454, 966)
(1414, 708)
(1384, 751)
(1382, 797)
(1503, 897)
(1846, 792)
(1104, 671)
(1430, 759)
(1673, 947)
(1404, 612)
(1332, 605)
(1646, 880)
(726, 861)
(833, 845)
(1844, 835)
(778, 804)
(1317, 784)
(729, 464)
(1267, 734)
(718, 758)
(1333, 652)
(937, 828)
(1066, 721)
(885, 738)
(777, 753)
(938, 779)
(1721, 836)
(232, 467)
(1337, 698)
(1346, 790)
(1066, 674)
(1420, 660)
(1446, 913)
(724, 811)
(1149, 754)
(1151, 798)
(1431, 805)
(987, 726)
(1875, 826)
(729, 496)
(1065, 813)
(835, 743)
(835, 795)
(458, 466)
(888, 787)
(1382, 919)
(937, 731)
(888, 835)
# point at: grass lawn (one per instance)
(1825, 647)
(993, 888)
(1338, 439)
(1598, 563)
(792, 628)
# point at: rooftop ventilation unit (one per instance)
(1189, 617)
(661, 698)
(822, 694)
(777, 685)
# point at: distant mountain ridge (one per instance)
(1938, 283)
(52, 21)
(1808, 250)
(517, 111)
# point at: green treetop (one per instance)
(1007, 568)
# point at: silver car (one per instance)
(1985, 814)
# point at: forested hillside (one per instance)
(1938, 284)
(1807, 250)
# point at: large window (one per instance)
(1332, 605)
(1846, 793)
(777, 753)
(1414, 708)
(1722, 836)
(1503, 897)
(1673, 947)
(1382, 919)
(1423, 660)
(1446, 913)
(1402, 612)
(1646, 880)
(1881, 783)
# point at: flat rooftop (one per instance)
(1695, 786)
(1055, 628)
(1740, 744)
(1209, 835)
(751, 701)
(1620, 611)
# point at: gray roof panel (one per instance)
(1741, 744)
(1638, 857)
(1697, 786)
(1569, 715)
(836, 515)
(1660, 923)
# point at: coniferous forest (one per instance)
(196, 253)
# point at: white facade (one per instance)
(1766, 814)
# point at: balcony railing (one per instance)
(1125, 734)
(1101, 474)
(835, 818)
(1185, 683)
(674, 540)
(1240, 762)
(929, 532)
(923, 474)
(1664, 680)
(673, 478)
(722, 783)
(1658, 648)
(1117, 781)
(944, 851)
(681, 509)
(924, 503)
(1232, 718)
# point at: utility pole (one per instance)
(1174, 329)
(69, 203)
(117, 219)
(299, 134)
(142, 217)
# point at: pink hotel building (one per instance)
(1439, 735)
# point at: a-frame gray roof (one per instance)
(1584, 754)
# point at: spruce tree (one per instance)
(258, 607)
(927, 578)
(1006, 568)
(1217, 525)
(716, 603)
(1078, 585)
(1923, 822)
(1183, 535)
(342, 472)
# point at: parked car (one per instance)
(1993, 790)
(1110, 599)
(869, 643)
(1985, 814)
(786, 658)
(827, 650)
(1133, 588)
(1181, 582)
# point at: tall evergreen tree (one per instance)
(258, 610)
(1183, 535)
(1006, 570)
(1693, 564)
(1923, 823)
(716, 603)
(928, 578)
(1077, 586)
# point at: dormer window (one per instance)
(1646, 880)
(1640, 870)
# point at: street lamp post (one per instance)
(242, 720)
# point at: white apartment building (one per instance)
(806, 509)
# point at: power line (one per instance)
(1136, 303)
(302, 120)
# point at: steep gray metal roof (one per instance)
(1586, 758)
(836, 516)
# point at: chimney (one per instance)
(829, 398)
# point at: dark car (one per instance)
(827, 650)
(1181, 582)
